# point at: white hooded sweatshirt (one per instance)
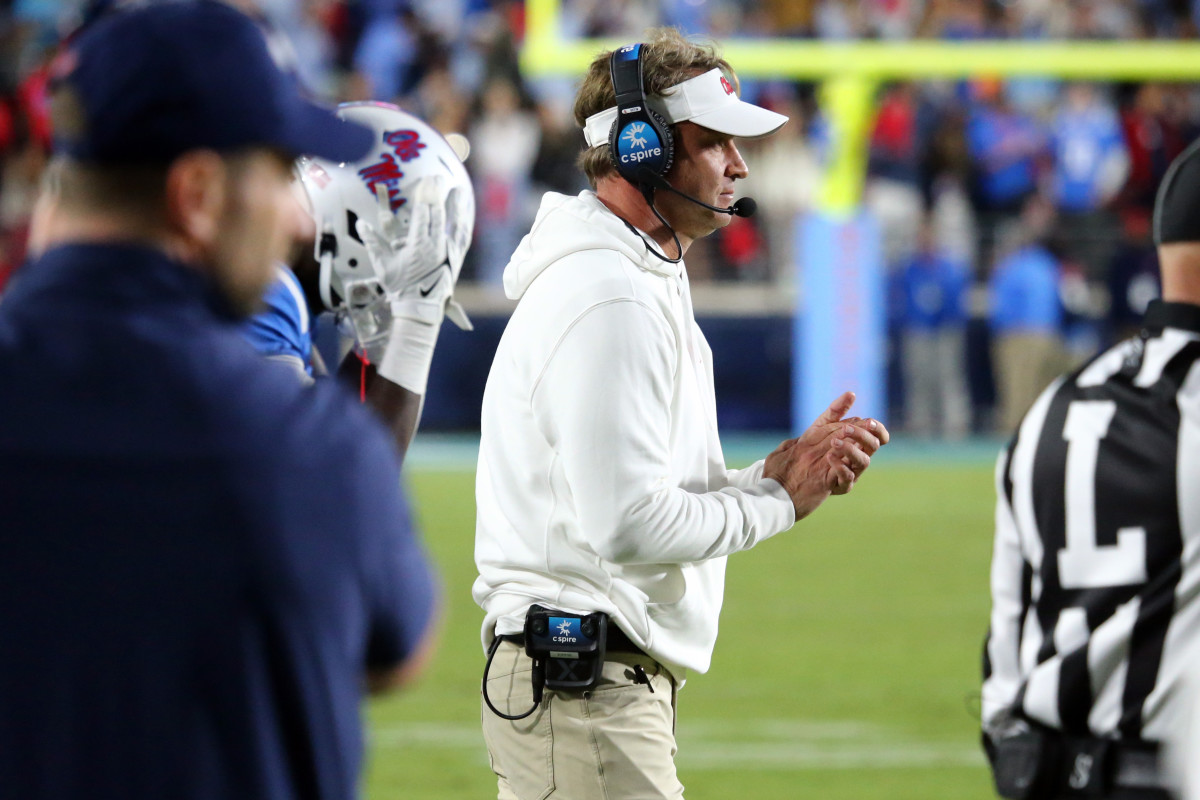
(601, 483)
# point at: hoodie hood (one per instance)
(566, 225)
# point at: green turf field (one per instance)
(847, 666)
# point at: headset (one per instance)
(640, 142)
(641, 145)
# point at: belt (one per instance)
(1137, 770)
(1131, 765)
(615, 641)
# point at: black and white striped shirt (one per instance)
(1096, 567)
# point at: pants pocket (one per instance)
(631, 729)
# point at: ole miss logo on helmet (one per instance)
(726, 85)
(406, 145)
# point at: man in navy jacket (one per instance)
(202, 562)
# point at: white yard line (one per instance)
(841, 755)
(781, 744)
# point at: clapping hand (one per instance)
(828, 458)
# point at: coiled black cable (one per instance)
(538, 677)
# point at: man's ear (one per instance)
(196, 189)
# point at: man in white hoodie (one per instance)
(601, 485)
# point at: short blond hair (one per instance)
(668, 59)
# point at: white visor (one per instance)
(707, 100)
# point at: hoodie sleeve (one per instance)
(603, 401)
(748, 477)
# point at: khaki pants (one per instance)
(616, 742)
(1025, 364)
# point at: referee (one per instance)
(1096, 565)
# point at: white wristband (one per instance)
(409, 353)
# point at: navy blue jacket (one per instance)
(199, 558)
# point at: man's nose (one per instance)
(737, 165)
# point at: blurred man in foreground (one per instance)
(203, 559)
(1096, 567)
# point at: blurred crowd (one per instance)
(1022, 206)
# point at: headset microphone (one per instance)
(744, 207)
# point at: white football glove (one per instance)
(418, 283)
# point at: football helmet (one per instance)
(377, 190)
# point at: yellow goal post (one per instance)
(850, 71)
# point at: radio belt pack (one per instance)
(567, 651)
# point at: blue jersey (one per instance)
(282, 329)
(1084, 141)
(1004, 147)
(201, 556)
(1024, 292)
(934, 292)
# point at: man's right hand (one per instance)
(827, 458)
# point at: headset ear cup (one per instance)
(646, 136)
(612, 150)
(667, 137)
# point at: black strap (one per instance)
(625, 68)
(1137, 769)
(618, 641)
(1093, 763)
